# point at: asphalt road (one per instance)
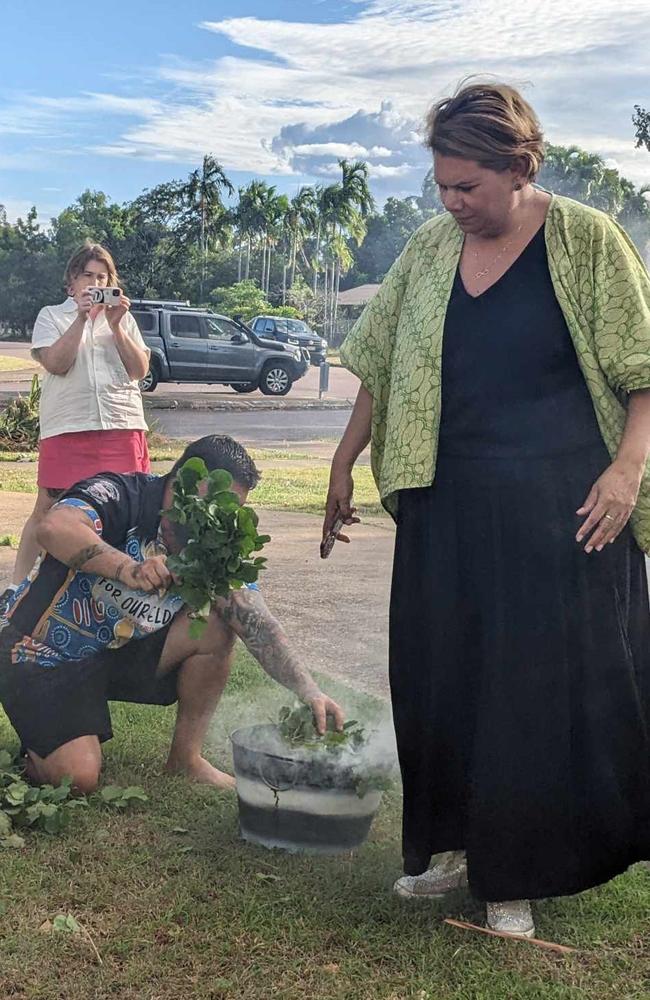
(342, 384)
(270, 427)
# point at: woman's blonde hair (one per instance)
(489, 123)
(90, 251)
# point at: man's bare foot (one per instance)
(199, 769)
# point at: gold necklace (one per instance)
(504, 248)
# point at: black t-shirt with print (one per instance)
(64, 615)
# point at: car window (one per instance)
(147, 321)
(182, 325)
(292, 326)
(269, 326)
(221, 329)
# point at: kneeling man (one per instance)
(94, 622)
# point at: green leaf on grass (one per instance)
(16, 792)
(13, 841)
(135, 794)
(65, 923)
(111, 793)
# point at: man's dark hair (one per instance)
(219, 451)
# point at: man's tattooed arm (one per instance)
(66, 533)
(80, 558)
(248, 616)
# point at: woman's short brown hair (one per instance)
(489, 123)
(90, 251)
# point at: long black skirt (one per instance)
(520, 679)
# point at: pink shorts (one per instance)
(66, 458)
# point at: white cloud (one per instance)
(386, 140)
(300, 95)
(381, 171)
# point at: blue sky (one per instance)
(281, 89)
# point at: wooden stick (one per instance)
(549, 945)
(88, 936)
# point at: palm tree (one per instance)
(300, 219)
(351, 202)
(203, 196)
(275, 210)
(584, 176)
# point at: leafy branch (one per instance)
(297, 730)
(222, 538)
(46, 807)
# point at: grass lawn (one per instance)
(8, 363)
(288, 488)
(179, 907)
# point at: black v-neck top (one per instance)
(511, 384)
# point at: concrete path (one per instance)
(335, 611)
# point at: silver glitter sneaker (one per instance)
(514, 918)
(449, 872)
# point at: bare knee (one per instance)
(80, 760)
(218, 637)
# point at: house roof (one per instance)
(358, 296)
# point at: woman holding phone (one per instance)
(91, 415)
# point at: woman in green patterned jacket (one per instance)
(512, 453)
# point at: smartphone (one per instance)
(107, 296)
(327, 544)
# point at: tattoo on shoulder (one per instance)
(86, 554)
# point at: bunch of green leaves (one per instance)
(296, 726)
(19, 426)
(45, 807)
(222, 538)
(22, 805)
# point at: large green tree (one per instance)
(386, 236)
(30, 274)
(641, 122)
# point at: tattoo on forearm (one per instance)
(86, 554)
(247, 614)
(118, 572)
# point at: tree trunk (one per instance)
(336, 297)
(204, 249)
(292, 257)
(263, 275)
(316, 261)
(241, 249)
(248, 258)
(326, 272)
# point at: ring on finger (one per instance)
(608, 517)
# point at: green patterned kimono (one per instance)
(395, 348)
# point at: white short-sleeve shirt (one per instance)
(96, 394)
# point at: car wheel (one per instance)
(151, 379)
(244, 386)
(276, 379)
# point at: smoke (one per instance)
(258, 710)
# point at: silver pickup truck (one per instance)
(196, 345)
